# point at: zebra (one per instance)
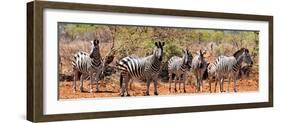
(177, 68)
(211, 70)
(229, 67)
(199, 69)
(144, 68)
(85, 65)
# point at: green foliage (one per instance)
(171, 49)
(140, 40)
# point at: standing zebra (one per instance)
(199, 68)
(178, 67)
(211, 69)
(145, 68)
(85, 65)
(229, 67)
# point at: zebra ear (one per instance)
(246, 50)
(156, 44)
(186, 50)
(163, 43)
(97, 42)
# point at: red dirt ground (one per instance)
(112, 89)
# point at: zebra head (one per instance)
(201, 60)
(158, 51)
(244, 55)
(247, 57)
(95, 49)
(187, 58)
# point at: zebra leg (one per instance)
(220, 82)
(216, 82)
(201, 85)
(155, 87)
(235, 89)
(228, 84)
(176, 80)
(74, 81)
(180, 81)
(97, 80)
(121, 85)
(221, 86)
(170, 82)
(81, 81)
(184, 79)
(127, 80)
(91, 85)
(210, 86)
(197, 84)
(147, 87)
(131, 84)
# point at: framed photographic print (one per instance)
(96, 61)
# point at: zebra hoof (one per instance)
(184, 91)
(128, 95)
(146, 94)
(122, 95)
(156, 93)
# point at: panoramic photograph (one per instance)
(101, 60)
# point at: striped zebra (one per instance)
(85, 65)
(229, 67)
(211, 69)
(144, 68)
(178, 67)
(199, 69)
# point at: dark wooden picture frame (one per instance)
(35, 60)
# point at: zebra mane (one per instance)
(239, 52)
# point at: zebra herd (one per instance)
(148, 68)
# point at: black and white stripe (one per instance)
(143, 68)
(199, 69)
(229, 67)
(178, 67)
(85, 65)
